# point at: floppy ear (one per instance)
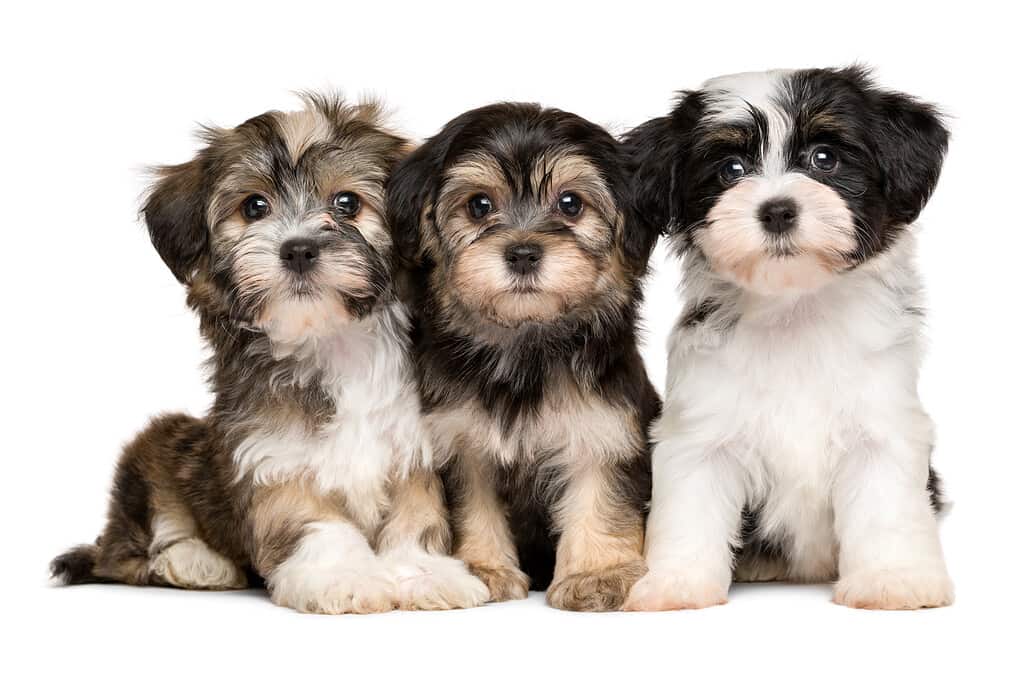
(911, 145)
(175, 214)
(410, 187)
(657, 152)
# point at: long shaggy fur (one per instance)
(532, 385)
(793, 445)
(311, 471)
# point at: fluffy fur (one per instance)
(793, 444)
(311, 470)
(526, 265)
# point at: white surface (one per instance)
(96, 337)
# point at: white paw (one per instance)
(661, 590)
(427, 582)
(912, 588)
(355, 588)
(190, 563)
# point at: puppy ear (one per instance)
(911, 145)
(175, 214)
(409, 188)
(658, 153)
(652, 160)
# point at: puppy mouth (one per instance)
(525, 288)
(781, 248)
(303, 289)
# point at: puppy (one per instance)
(311, 468)
(526, 263)
(793, 444)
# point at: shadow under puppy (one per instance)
(311, 467)
(793, 445)
(526, 266)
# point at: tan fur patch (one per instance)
(418, 515)
(301, 129)
(279, 514)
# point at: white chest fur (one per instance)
(785, 388)
(375, 432)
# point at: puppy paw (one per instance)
(429, 582)
(658, 591)
(895, 589)
(343, 589)
(503, 583)
(603, 590)
(190, 563)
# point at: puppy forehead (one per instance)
(795, 97)
(306, 146)
(773, 111)
(736, 97)
(551, 168)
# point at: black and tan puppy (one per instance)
(526, 266)
(311, 468)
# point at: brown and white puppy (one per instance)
(526, 265)
(311, 469)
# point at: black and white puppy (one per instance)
(793, 445)
(311, 468)
(526, 266)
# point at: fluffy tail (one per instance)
(77, 566)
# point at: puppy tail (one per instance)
(76, 566)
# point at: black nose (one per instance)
(779, 215)
(299, 255)
(523, 258)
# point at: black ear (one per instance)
(658, 153)
(414, 185)
(175, 214)
(410, 187)
(911, 145)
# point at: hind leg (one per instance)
(180, 558)
(151, 536)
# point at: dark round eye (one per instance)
(255, 207)
(823, 158)
(346, 203)
(732, 170)
(479, 206)
(570, 204)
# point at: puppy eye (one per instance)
(479, 206)
(346, 203)
(823, 158)
(255, 207)
(570, 204)
(732, 170)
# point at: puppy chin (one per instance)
(770, 275)
(291, 321)
(516, 308)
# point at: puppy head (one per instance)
(279, 223)
(785, 179)
(520, 213)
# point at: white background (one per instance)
(96, 338)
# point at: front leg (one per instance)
(415, 541)
(599, 517)
(695, 514)
(890, 553)
(312, 557)
(482, 537)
